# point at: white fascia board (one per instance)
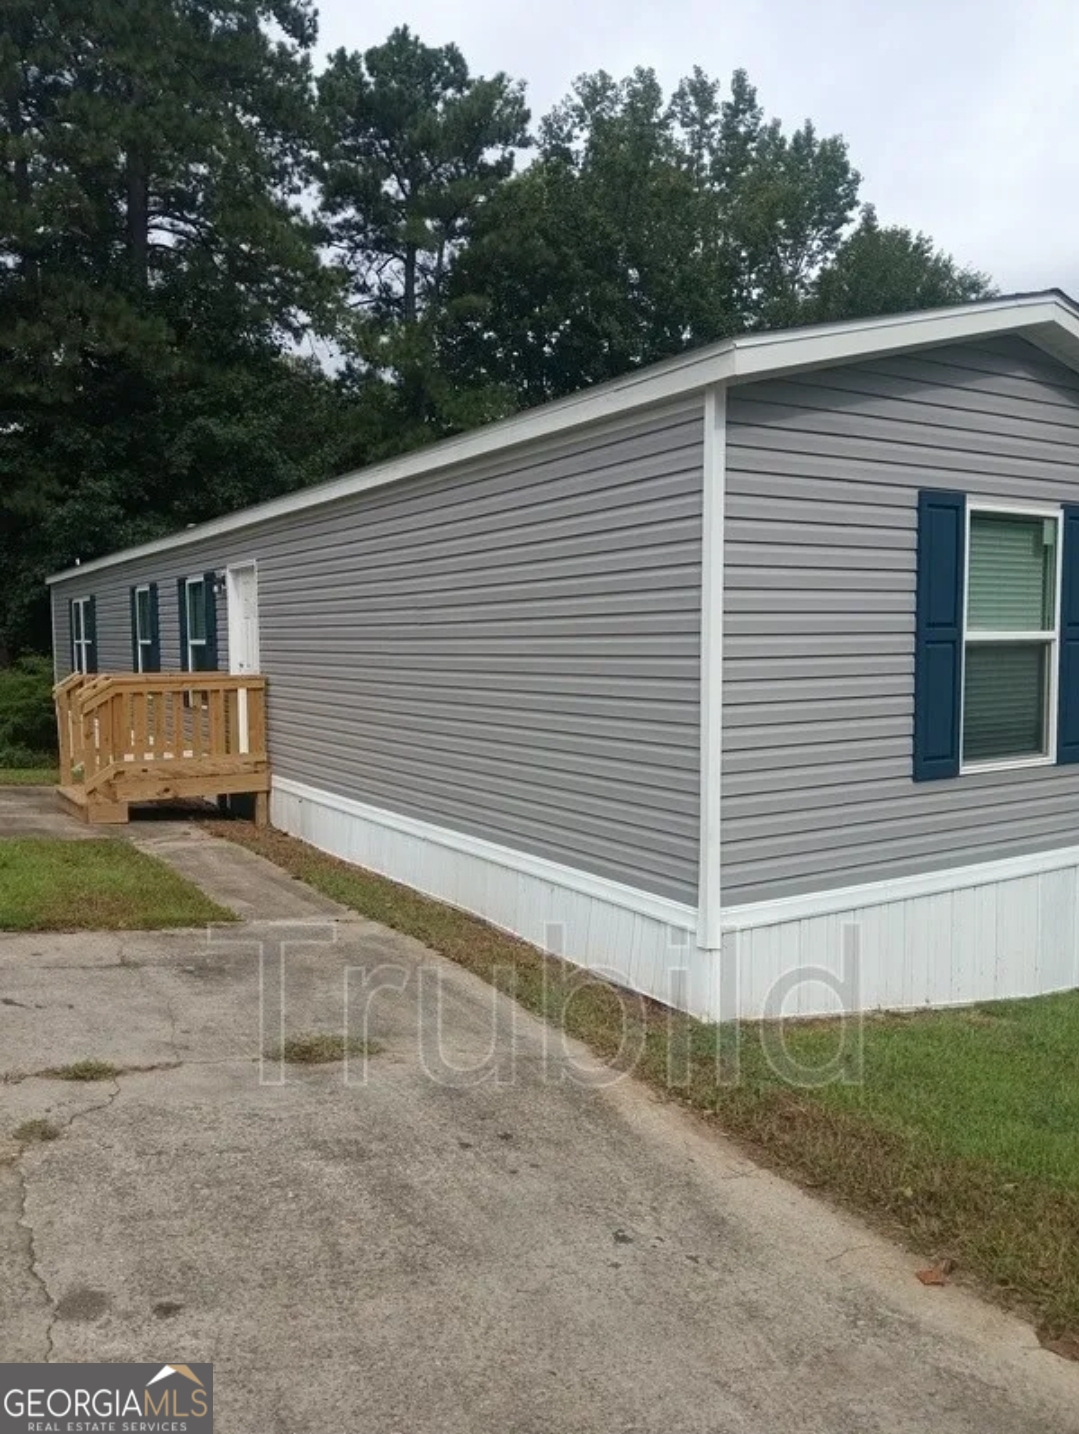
(762, 355)
(636, 391)
(751, 356)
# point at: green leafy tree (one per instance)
(414, 147)
(155, 263)
(645, 226)
(786, 216)
(160, 267)
(648, 226)
(888, 270)
(593, 260)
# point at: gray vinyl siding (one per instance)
(823, 473)
(510, 649)
(111, 591)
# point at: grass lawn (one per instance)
(29, 776)
(94, 885)
(958, 1130)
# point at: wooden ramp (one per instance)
(150, 737)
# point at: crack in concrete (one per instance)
(24, 1221)
(75, 966)
(849, 1250)
(49, 1073)
(52, 1073)
(38, 1005)
(32, 1259)
(174, 1040)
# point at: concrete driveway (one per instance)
(469, 1231)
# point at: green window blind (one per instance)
(1005, 691)
(1012, 577)
(196, 611)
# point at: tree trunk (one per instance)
(138, 216)
(410, 284)
(21, 167)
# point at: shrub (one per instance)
(27, 716)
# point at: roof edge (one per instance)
(741, 359)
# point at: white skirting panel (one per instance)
(638, 940)
(976, 933)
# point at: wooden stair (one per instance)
(90, 807)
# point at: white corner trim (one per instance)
(1047, 316)
(709, 924)
(901, 888)
(613, 893)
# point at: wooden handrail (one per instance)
(102, 689)
(171, 679)
(64, 696)
(128, 723)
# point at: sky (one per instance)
(961, 115)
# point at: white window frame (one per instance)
(192, 643)
(81, 645)
(1050, 638)
(144, 646)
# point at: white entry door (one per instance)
(243, 590)
(243, 599)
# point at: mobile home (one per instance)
(750, 679)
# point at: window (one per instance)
(83, 635)
(145, 643)
(996, 635)
(1011, 636)
(198, 623)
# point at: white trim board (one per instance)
(1049, 320)
(899, 888)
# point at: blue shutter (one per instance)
(1068, 701)
(90, 618)
(133, 594)
(71, 634)
(155, 632)
(211, 621)
(181, 598)
(938, 640)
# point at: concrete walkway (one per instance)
(36, 812)
(472, 1230)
